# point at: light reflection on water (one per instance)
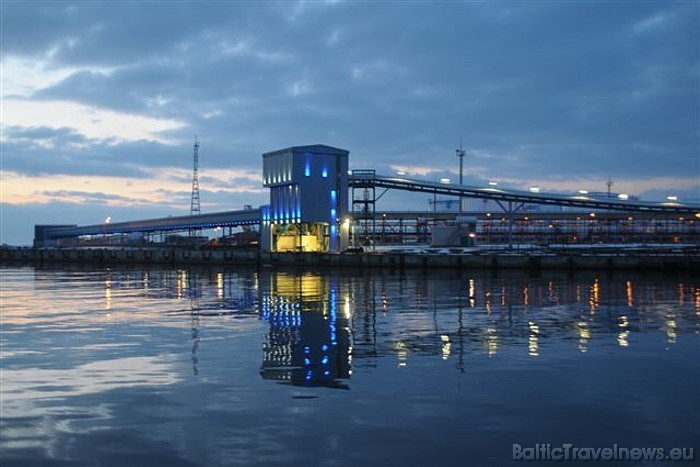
(227, 366)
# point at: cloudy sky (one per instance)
(101, 100)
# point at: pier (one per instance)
(642, 258)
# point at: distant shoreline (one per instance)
(596, 257)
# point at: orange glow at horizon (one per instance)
(126, 191)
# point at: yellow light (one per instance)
(446, 346)
(220, 285)
(622, 339)
(108, 294)
(533, 345)
(630, 295)
(491, 341)
(401, 354)
(472, 293)
(584, 335)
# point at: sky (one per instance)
(101, 101)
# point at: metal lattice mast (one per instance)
(194, 204)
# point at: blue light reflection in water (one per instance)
(244, 367)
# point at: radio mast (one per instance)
(194, 203)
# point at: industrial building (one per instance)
(308, 200)
(317, 205)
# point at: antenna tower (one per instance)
(194, 204)
(609, 183)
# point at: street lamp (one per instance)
(461, 153)
(108, 219)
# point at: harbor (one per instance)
(349, 234)
(321, 213)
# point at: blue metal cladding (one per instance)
(334, 212)
(286, 204)
(333, 220)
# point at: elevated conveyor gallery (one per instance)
(366, 179)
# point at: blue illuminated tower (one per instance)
(308, 199)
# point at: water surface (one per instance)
(208, 367)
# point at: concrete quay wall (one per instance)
(185, 256)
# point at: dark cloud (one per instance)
(46, 151)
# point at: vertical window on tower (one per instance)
(324, 173)
(307, 167)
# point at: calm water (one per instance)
(208, 367)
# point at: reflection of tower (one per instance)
(309, 342)
(195, 342)
(194, 203)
